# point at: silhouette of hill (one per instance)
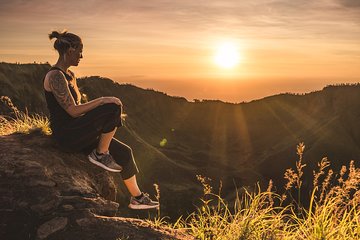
(174, 139)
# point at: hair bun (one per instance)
(56, 34)
(64, 40)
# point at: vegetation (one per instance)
(333, 212)
(21, 122)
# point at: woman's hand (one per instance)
(115, 100)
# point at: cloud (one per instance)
(349, 53)
(185, 22)
(350, 3)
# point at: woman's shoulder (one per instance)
(53, 74)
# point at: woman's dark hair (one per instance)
(65, 40)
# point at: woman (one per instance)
(88, 127)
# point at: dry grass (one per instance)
(21, 122)
(333, 212)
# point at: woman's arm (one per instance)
(61, 91)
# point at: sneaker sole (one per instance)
(102, 165)
(142, 207)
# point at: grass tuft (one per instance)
(22, 122)
(333, 212)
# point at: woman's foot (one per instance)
(105, 161)
(143, 202)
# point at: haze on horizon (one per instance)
(285, 46)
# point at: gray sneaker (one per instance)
(143, 203)
(106, 161)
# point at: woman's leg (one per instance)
(98, 125)
(97, 128)
(123, 156)
(81, 132)
(105, 138)
(104, 142)
(132, 186)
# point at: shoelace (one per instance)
(106, 158)
(146, 198)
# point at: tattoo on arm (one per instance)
(60, 89)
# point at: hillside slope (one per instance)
(245, 142)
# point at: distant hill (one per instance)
(238, 144)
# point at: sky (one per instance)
(293, 46)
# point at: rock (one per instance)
(51, 226)
(83, 222)
(46, 206)
(48, 194)
(36, 182)
(68, 207)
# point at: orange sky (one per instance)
(285, 46)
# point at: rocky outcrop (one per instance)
(49, 194)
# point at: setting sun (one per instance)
(227, 55)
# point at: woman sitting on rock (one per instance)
(88, 127)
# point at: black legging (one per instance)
(82, 134)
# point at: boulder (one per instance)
(49, 194)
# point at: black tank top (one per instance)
(58, 116)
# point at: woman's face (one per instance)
(75, 54)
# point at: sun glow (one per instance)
(227, 55)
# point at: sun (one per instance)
(227, 55)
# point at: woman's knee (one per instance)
(121, 149)
(127, 151)
(112, 107)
